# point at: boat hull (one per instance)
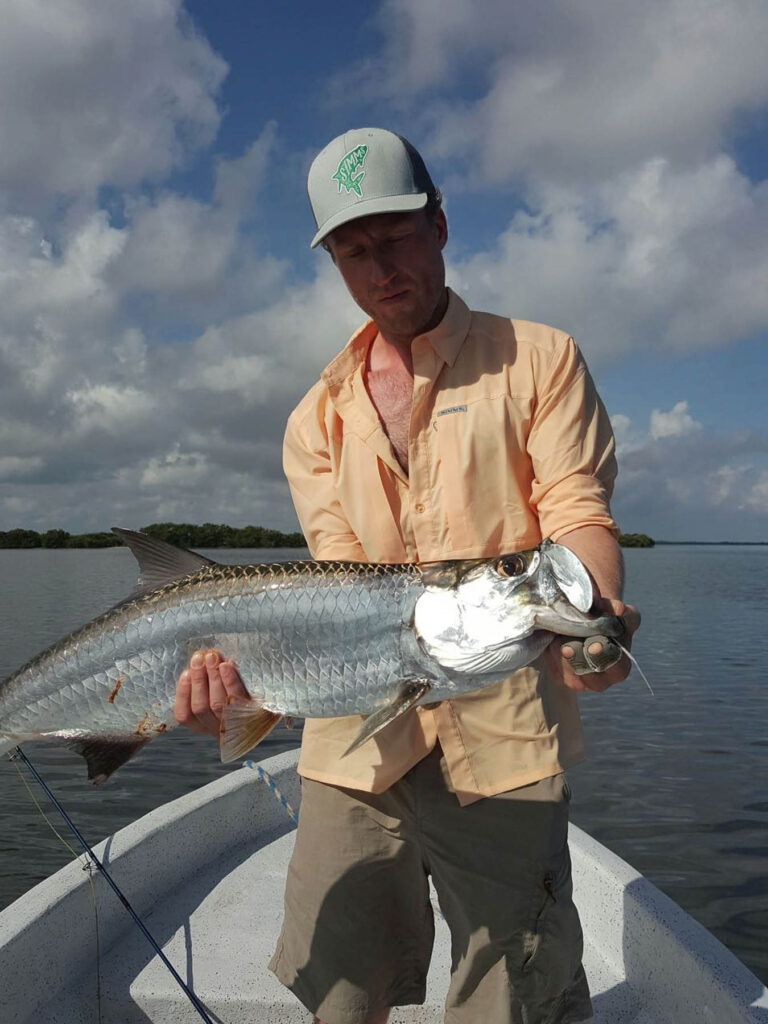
(647, 961)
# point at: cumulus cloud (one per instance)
(95, 94)
(569, 91)
(657, 259)
(94, 412)
(674, 423)
(681, 481)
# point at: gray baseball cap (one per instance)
(363, 171)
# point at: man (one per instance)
(438, 433)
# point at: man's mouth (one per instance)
(394, 297)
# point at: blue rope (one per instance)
(265, 777)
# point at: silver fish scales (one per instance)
(311, 639)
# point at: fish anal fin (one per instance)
(105, 754)
(409, 694)
(244, 723)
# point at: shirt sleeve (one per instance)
(572, 449)
(307, 466)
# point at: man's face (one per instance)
(392, 264)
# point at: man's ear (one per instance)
(441, 225)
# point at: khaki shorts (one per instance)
(359, 927)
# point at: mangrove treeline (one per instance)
(187, 535)
(636, 540)
(209, 535)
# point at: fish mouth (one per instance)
(565, 620)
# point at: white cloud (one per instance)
(12, 466)
(110, 409)
(95, 93)
(101, 423)
(673, 423)
(182, 248)
(679, 480)
(176, 469)
(658, 258)
(569, 91)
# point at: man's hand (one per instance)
(559, 653)
(203, 689)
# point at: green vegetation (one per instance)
(209, 535)
(636, 540)
(219, 535)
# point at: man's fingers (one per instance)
(233, 684)
(200, 696)
(203, 690)
(182, 709)
(632, 619)
(217, 694)
(595, 654)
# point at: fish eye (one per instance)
(512, 566)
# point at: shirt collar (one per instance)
(450, 334)
(446, 339)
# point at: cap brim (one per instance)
(381, 204)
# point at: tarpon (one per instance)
(311, 640)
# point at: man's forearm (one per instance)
(598, 549)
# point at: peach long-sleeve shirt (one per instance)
(508, 443)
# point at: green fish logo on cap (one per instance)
(345, 172)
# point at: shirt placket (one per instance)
(426, 366)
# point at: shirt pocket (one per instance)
(482, 470)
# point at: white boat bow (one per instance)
(206, 873)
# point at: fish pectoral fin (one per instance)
(410, 693)
(244, 723)
(103, 754)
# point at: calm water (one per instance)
(676, 784)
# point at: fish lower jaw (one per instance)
(492, 663)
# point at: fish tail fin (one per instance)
(244, 723)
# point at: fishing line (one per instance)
(20, 755)
(87, 866)
(634, 661)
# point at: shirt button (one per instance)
(418, 507)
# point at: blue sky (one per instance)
(604, 168)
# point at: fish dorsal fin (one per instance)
(159, 562)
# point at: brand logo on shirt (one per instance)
(345, 172)
(447, 412)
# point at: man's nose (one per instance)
(382, 269)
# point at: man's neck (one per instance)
(402, 342)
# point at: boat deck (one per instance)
(207, 874)
(225, 943)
